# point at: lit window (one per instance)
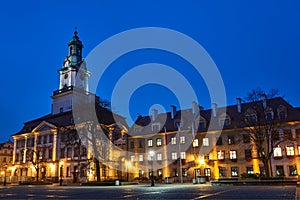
(132, 158)
(250, 170)
(299, 150)
(158, 142)
(221, 155)
(182, 155)
(174, 156)
(182, 140)
(150, 143)
(234, 172)
(279, 170)
(173, 140)
(277, 152)
(207, 171)
(141, 158)
(205, 142)
(232, 154)
(159, 156)
(293, 170)
(290, 151)
(195, 143)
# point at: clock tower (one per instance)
(73, 76)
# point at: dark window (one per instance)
(222, 171)
(84, 151)
(246, 138)
(225, 122)
(269, 116)
(293, 170)
(69, 152)
(248, 154)
(76, 151)
(131, 144)
(288, 134)
(279, 170)
(68, 172)
(45, 139)
(62, 153)
(230, 140)
(262, 170)
(51, 138)
(39, 139)
(219, 141)
(140, 143)
(50, 151)
(282, 115)
(275, 135)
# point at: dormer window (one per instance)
(155, 128)
(224, 121)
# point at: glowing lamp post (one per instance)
(151, 153)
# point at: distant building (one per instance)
(50, 148)
(180, 145)
(6, 156)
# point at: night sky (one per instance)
(254, 43)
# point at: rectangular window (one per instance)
(232, 155)
(205, 142)
(230, 140)
(207, 172)
(290, 151)
(246, 138)
(299, 150)
(182, 139)
(293, 170)
(69, 152)
(141, 158)
(221, 155)
(195, 143)
(76, 151)
(182, 155)
(234, 172)
(158, 142)
(62, 153)
(150, 143)
(132, 158)
(131, 144)
(155, 128)
(249, 170)
(279, 170)
(222, 171)
(248, 154)
(219, 141)
(141, 173)
(288, 134)
(173, 140)
(277, 152)
(84, 151)
(174, 156)
(184, 172)
(159, 156)
(45, 139)
(140, 143)
(50, 151)
(68, 172)
(51, 138)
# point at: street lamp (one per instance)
(151, 153)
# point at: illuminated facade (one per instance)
(50, 148)
(184, 153)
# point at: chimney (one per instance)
(264, 98)
(195, 107)
(214, 109)
(239, 104)
(173, 111)
(154, 114)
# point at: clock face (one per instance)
(66, 76)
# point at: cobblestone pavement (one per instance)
(172, 191)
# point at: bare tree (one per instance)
(262, 125)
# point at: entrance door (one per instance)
(75, 174)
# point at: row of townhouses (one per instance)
(258, 138)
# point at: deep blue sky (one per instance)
(253, 43)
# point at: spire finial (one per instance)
(75, 32)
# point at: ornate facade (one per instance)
(50, 148)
